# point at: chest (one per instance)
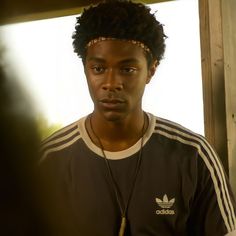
(160, 201)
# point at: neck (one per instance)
(116, 136)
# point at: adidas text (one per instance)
(165, 212)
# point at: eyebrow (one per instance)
(128, 60)
(96, 59)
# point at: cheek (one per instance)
(90, 81)
(135, 93)
(137, 84)
(93, 86)
(90, 86)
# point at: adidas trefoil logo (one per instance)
(165, 204)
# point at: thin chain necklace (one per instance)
(124, 209)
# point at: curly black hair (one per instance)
(122, 20)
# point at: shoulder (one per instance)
(176, 132)
(61, 139)
(205, 153)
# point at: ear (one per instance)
(152, 70)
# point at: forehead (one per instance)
(115, 50)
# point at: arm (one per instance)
(213, 209)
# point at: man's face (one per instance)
(116, 73)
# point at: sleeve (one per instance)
(55, 194)
(213, 209)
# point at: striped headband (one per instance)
(135, 42)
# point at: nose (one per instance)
(112, 81)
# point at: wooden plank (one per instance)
(213, 76)
(229, 43)
(13, 11)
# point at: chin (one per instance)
(114, 116)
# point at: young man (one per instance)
(120, 170)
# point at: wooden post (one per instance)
(229, 43)
(213, 76)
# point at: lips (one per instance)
(112, 103)
(112, 100)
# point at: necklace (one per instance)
(124, 209)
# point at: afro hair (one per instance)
(122, 20)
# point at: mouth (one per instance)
(112, 100)
(112, 103)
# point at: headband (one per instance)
(135, 42)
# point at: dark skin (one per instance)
(117, 73)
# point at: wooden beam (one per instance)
(229, 43)
(213, 76)
(14, 11)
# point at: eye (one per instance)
(128, 70)
(98, 69)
